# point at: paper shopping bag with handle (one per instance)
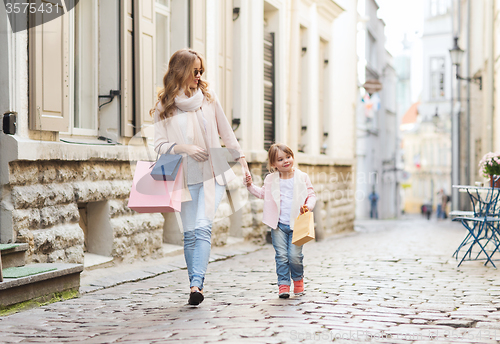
(303, 229)
(154, 196)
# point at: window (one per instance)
(49, 73)
(162, 8)
(138, 66)
(63, 72)
(302, 96)
(323, 103)
(85, 77)
(439, 7)
(372, 51)
(64, 55)
(437, 67)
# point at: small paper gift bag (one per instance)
(303, 229)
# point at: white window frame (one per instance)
(372, 58)
(166, 12)
(438, 7)
(72, 77)
(437, 72)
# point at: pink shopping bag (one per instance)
(154, 196)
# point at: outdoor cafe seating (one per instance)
(482, 240)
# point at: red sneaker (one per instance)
(298, 287)
(284, 291)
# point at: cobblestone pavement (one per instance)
(391, 282)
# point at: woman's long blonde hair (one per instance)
(180, 70)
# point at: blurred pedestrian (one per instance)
(439, 208)
(373, 198)
(427, 210)
(444, 204)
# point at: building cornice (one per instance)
(260, 156)
(33, 150)
(329, 9)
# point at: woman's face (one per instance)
(195, 74)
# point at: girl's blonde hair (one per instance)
(180, 70)
(272, 154)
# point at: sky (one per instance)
(400, 17)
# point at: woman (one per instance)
(189, 117)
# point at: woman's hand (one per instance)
(248, 180)
(244, 167)
(304, 209)
(194, 151)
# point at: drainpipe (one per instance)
(468, 179)
(294, 58)
(454, 194)
(455, 123)
(490, 75)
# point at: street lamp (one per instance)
(435, 118)
(456, 53)
(456, 57)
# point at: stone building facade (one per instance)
(427, 125)
(476, 26)
(377, 145)
(283, 70)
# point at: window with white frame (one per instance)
(437, 69)
(85, 76)
(372, 50)
(323, 99)
(162, 8)
(439, 7)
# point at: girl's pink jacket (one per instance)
(303, 193)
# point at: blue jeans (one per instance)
(439, 212)
(198, 232)
(289, 257)
(373, 210)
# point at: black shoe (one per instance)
(195, 298)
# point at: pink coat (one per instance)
(303, 193)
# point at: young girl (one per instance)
(286, 192)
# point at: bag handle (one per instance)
(158, 153)
(168, 151)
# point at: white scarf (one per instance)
(189, 104)
(193, 104)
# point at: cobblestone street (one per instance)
(391, 281)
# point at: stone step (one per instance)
(13, 255)
(63, 278)
(95, 261)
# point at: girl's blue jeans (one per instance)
(198, 232)
(289, 257)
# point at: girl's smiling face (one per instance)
(284, 162)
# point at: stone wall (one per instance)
(45, 198)
(335, 192)
(335, 206)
